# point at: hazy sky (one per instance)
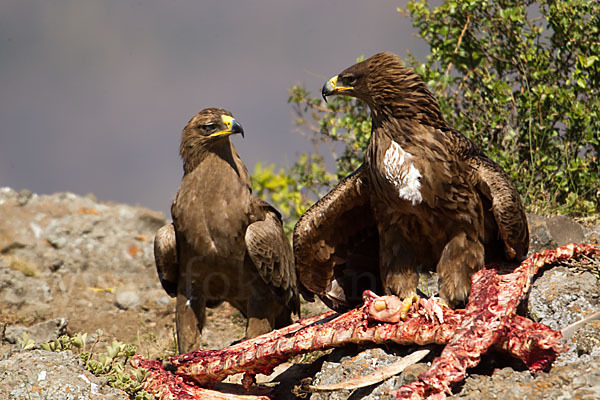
(94, 93)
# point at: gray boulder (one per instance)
(18, 289)
(550, 232)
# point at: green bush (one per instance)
(519, 78)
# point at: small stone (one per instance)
(12, 334)
(24, 196)
(157, 296)
(588, 338)
(57, 241)
(127, 299)
(55, 265)
(35, 228)
(48, 330)
(162, 300)
(412, 372)
(17, 289)
(150, 220)
(92, 197)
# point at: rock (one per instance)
(576, 381)
(346, 364)
(550, 232)
(74, 233)
(41, 375)
(6, 194)
(43, 332)
(562, 296)
(66, 243)
(64, 255)
(411, 374)
(13, 333)
(587, 339)
(565, 230)
(126, 299)
(24, 196)
(55, 265)
(150, 220)
(17, 289)
(592, 234)
(539, 235)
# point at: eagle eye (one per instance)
(208, 127)
(348, 80)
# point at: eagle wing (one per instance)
(165, 256)
(502, 197)
(336, 242)
(506, 206)
(270, 251)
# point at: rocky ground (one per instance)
(72, 264)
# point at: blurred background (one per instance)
(94, 94)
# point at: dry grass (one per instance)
(22, 265)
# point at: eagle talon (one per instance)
(407, 302)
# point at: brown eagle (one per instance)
(425, 197)
(224, 243)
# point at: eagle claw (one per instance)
(407, 303)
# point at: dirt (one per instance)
(73, 257)
(85, 253)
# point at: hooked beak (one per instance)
(232, 127)
(330, 88)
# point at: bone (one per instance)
(378, 376)
(569, 330)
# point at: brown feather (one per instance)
(165, 257)
(270, 251)
(335, 244)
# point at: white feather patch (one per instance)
(401, 172)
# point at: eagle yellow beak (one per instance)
(232, 127)
(330, 87)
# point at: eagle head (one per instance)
(206, 131)
(381, 80)
(212, 123)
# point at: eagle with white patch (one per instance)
(425, 198)
(401, 172)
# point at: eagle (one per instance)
(425, 198)
(224, 244)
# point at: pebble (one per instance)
(127, 299)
